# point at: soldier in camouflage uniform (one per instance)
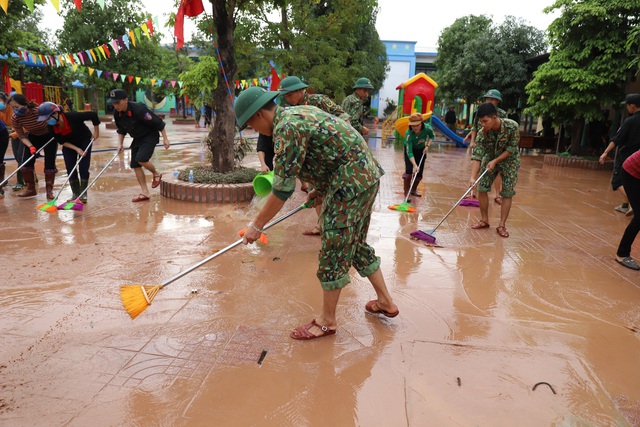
(353, 104)
(293, 93)
(495, 97)
(327, 152)
(496, 150)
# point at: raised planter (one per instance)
(576, 162)
(106, 119)
(184, 122)
(111, 125)
(207, 193)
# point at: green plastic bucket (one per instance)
(262, 184)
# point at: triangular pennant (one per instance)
(133, 37)
(136, 30)
(130, 78)
(101, 50)
(122, 77)
(137, 80)
(153, 82)
(29, 5)
(107, 74)
(88, 53)
(71, 61)
(91, 70)
(56, 4)
(75, 67)
(106, 49)
(173, 83)
(93, 55)
(78, 4)
(101, 3)
(180, 83)
(121, 44)
(150, 26)
(5, 5)
(115, 46)
(99, 72)
(81, 57)
(115, 76)
(126, 41)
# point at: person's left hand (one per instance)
(312, 195)
(165, 142)
(492, 164)
(365, 130)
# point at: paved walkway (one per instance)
(483, 319)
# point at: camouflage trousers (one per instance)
(509, 172)
(345, 247)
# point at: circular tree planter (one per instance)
(207, 193)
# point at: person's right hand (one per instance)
(264, 169)
(32, 149)
(415, 168)
(603, 158)
(120, 148)
(365, 130)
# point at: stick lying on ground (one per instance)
(50, 206)
(428, 236)
(136, 298)
(76, 204)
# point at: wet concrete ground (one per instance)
(483, 319)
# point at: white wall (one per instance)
(398, 73)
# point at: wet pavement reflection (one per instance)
(537, 329)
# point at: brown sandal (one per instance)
(502, 231)
(480, 224)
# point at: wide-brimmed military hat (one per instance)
(363, 83)
(493, 93)
(250, 101)
(291, 84)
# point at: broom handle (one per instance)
(414, 178)
(27, 161)
(233, 245)
(73, 170)
(97, 176)
(459, 200)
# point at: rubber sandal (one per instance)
(371, 310)
(302, 332)
(629, 263)
(498, 200)
(480, 224)
(156, 180)
(140, 198)
(502, 231)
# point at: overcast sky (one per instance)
(421, 21)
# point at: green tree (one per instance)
(588, 64)
(457, 75)
(94, 26)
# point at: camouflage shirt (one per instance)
(492, 144)
(354, 107)
(326, 152)
(323, 102)
(501, 114)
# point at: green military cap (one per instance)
(363, 83)
(250, 101)
(493, 93)
(291, 84)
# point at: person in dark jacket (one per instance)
(70, 131)
(143, 126)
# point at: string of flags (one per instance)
(127, 41)
(56, 3)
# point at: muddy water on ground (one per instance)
(483, 319)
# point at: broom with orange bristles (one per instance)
(136, 298)
(50, 206)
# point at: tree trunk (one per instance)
(576, 136)
(222, 133)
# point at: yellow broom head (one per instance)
(136, 298)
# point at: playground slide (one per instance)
(439, 124)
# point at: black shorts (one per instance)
(142, 150)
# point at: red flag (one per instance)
(189, 8)
(275, 79)
(78, 4)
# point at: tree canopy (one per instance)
(474, 55)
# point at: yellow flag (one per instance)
(137, 80)
(75, 67)
(91, 70)
(4, 4)
(102, 52)
(56, 4)
(145, 29)
(93, 54)
(153, 81)
(132, 36)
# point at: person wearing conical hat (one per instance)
(317, 147)
(353, 104)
